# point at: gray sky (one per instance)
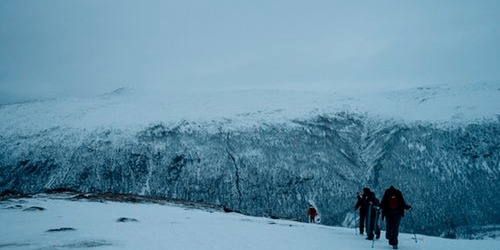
(76, 48)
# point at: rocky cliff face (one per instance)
(450, 175)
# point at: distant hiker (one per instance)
(362, 204)
(393, 206)
(372, 215)
(311, 213)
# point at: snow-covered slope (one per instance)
(268, 152)
(134, 108)
(66, 224)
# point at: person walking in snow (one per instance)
(362, 204)
(393, 206)
(372, 215)
(311, 213)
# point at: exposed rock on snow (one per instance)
(62, 229)
(123, 219)
(34, 209)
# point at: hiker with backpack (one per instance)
(311, 213)
(362, 204)
(372, 216)
(393, 206)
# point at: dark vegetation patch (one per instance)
(130, 198)
(60, 190)
(12, 194)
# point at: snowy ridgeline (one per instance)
(264, 161)
(449, 176)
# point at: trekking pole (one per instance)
(375, 225)
(357, 222)
(368, 222)
(355, 227)
(413, 225)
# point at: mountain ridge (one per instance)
(261, 163)
(127, 107)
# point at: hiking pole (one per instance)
(356, 217)
(375, 225)
(357, 222)
(368, 222)
(373, 241)
(413, 225)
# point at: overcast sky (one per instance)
(87, 47)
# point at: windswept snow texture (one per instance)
(166, 226)
(267, 153)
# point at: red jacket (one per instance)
(311, 212)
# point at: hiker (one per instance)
(311, 213)
(372, 215)
(393, 206)
(362, 204)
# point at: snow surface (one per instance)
(168, 226)
(134, 109)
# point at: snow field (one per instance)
(178, 227)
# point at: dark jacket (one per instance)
(362, 204)
(372, 200)
(399, 197)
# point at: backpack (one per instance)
(312, 212)
(393, 202)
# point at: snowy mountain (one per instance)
(269, 152)
(61, 222)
